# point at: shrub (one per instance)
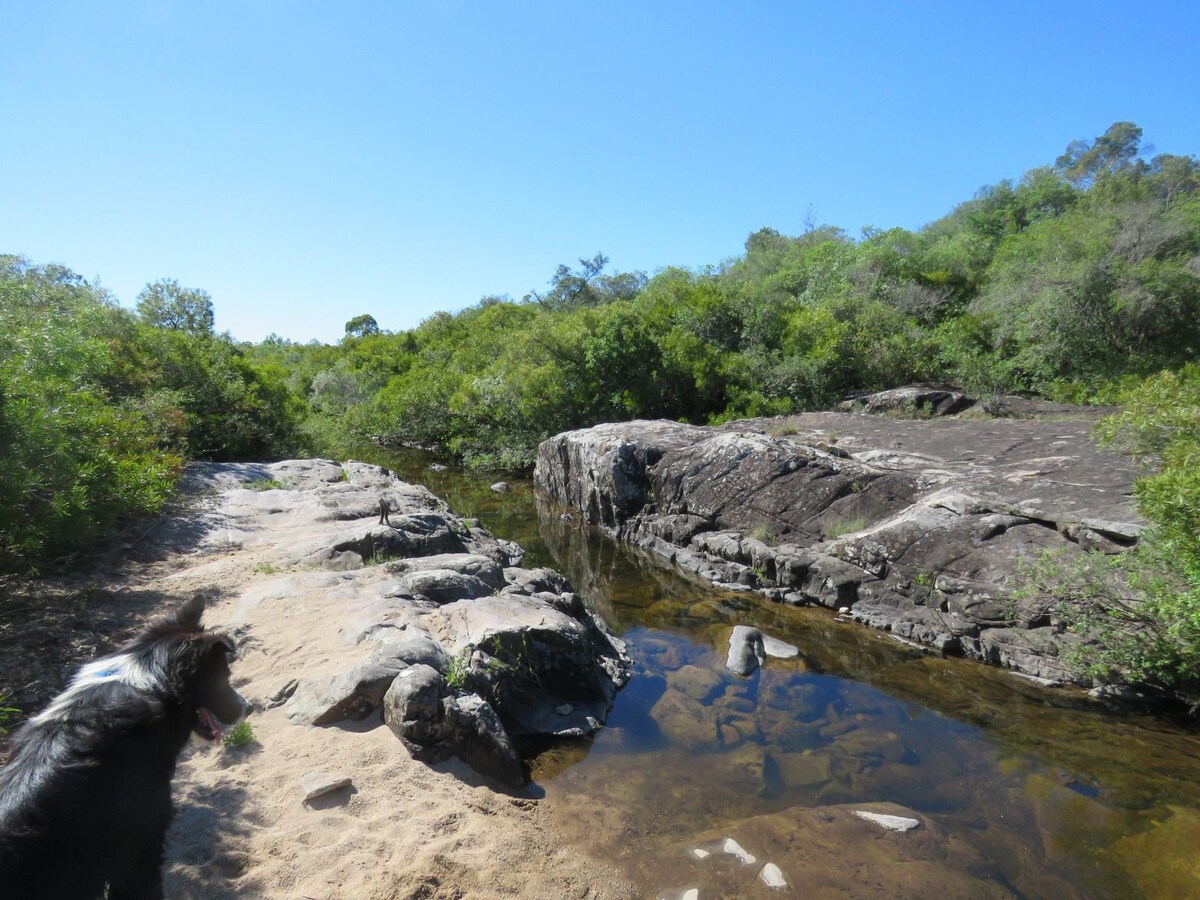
(240, 736)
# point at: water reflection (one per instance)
(1022, 792)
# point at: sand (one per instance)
(402, 830)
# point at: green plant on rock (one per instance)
(265, 484)
(764, 534)
(841, 528)
(457, 671)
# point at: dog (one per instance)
(85, 800)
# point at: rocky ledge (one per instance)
(436, 624)
(922, 527)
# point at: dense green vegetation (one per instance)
(99, 406)
(1060, 283)
(1079, 281)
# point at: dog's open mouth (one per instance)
(208, 726)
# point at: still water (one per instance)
(1020, 791)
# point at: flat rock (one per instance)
(317, 784)
(891, 823)
(921, 531)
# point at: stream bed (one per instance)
(1020, 791)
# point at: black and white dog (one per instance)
(86, 799)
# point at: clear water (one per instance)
(1021, 792)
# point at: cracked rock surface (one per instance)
(918, 526)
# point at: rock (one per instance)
(437, 467)
(685, 721)
(749, 648)
(353, 695)
(412, 709)
(779, 649)
(545, 657)
(420, 650)
(772, 877)
(733, 848)
(442, 586)
(927, 541)
(746, 651)
(282, 695)
(318, 784)
(891, 823)
(500, 487)
(407, 599)
(917, 400)
(477, 736)
(697, 683)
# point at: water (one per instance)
(1022, 792)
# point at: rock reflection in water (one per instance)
(1020, 792)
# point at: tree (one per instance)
(361, 326)
(570, 289)
(164, 304)
(1112, 152)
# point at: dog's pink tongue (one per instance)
(210, 722)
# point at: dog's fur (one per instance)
(86, 799)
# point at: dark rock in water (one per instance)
(923, 531)
(749, 649)
(745, 650)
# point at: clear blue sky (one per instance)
(305, 163)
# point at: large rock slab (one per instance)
(920, 527)
(427, 617)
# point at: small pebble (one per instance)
(733, 848)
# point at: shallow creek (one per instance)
(1021, 791)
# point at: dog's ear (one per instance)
(226, 644)
(187, 616)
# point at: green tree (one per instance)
(361, 326)
(1114, 152)
(164, 304)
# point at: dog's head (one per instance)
(196, 662)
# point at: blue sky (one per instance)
(305, 163)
